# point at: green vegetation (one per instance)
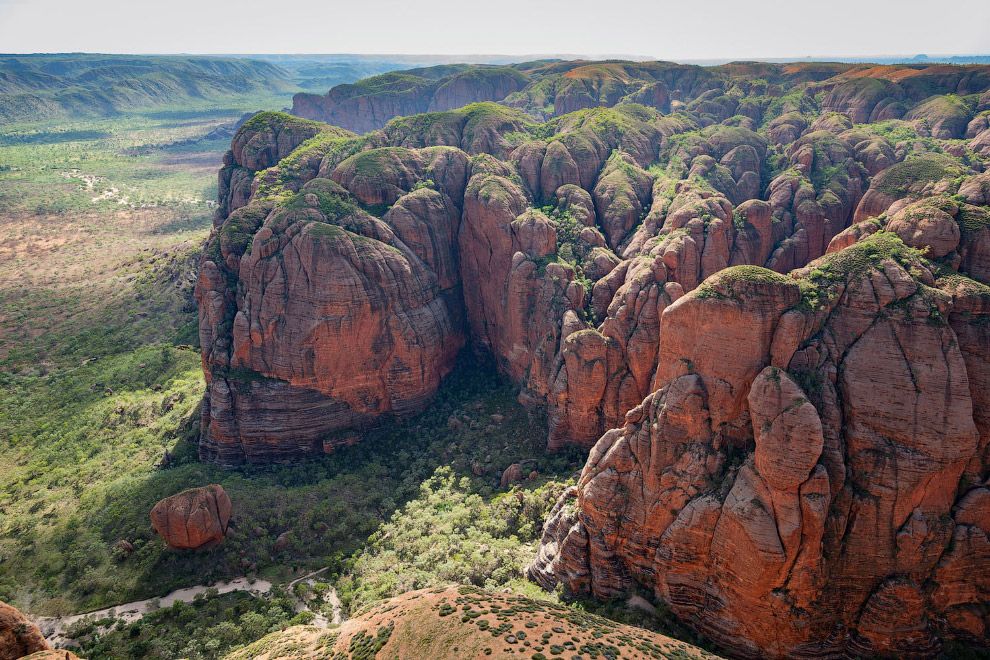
(610, 124)
(143, 160)
(270, 119)
(724, 280)
(328, 507)
(855, 261)
(94, 85)
(449, 534)
(898, 179)
(795, 101)
(208, 627)
(972, 219)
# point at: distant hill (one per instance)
(48, 86)
(545, 89)
(318, 73)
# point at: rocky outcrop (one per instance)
(789, 449)
(369, 104)
(194, 518)
(341, 316)
(19, 637)
(556, 254)
(944, 117)
(793, 425)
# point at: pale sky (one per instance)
(665, 29)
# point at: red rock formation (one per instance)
(667, 236)
(18, 636)
(796, 465)
(194, 518)
(926, 226)
(328, 290)
(807, 439)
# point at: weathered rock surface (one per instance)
(194, 518)
(341, 316)
(793, 463)
(793, 485)
(19, 637)
(446, 249)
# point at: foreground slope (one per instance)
(465, 622)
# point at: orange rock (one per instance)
(194, 518)
(801, 498)
(19, 637)
(511, 475)
(925, 226)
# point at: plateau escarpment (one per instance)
(778, 308)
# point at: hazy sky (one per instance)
(681, 29)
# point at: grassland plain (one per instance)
(101, 223)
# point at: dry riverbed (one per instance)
(55, 629)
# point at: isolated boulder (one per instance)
(194, 518)
(511, 475)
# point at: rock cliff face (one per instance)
(808, 477)
(776, 301)
(383, 255)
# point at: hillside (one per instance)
(461, 623)
(45, 87)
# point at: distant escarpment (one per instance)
(781, 314)
(542, 89)
(45, 86)
(945, 99)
